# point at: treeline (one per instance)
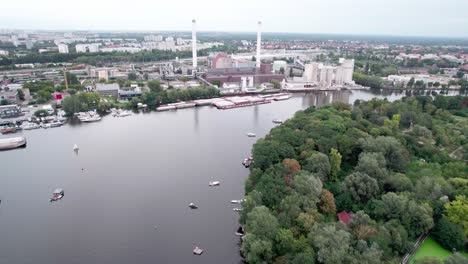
(105, 57)
(367, 80)
(397, 168)
(156, 96)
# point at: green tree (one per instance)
(456, 258)
(284, 241)
(335, 164)
(132, 76)
(332, 245)
(262, 223)
(21, 95)
(256, 250)
(4, 102)
(449, 235)
(361, 187)
(457, 211)
(319, 164)
(41, 113)
(308, 184)
(327, 202)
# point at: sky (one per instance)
(448, 18)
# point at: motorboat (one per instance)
(250, 134)
(57, 195)
(193, 206)
(52, 124)
(76, 148)
(12, 143)
(247, 162)
(277, 121)
(30, 126)
(8, 130)
(237, 209)
(91, 119)
(123, 113)
(197, 251)
(240, 231)
(237, 201)
(214, 183)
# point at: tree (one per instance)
(332, 245)
(284, 241)
(4, 102)
(360, 186)
(373, 164)
(395, 154)
(456, 258)
(71, 78)
(41, 113)
(291, 72)
(327, 202)
(457, 211)
(398, 239)
(281, 70)
(291, 165)
(307, 184)
(410, 83)
(448, 234)
(132, 76)
(216, 83)
(21, 95)
(262, 223)
(256, 250)
(319, 164)
(335, 164)
(146, 76)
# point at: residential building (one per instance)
(108, 89)
(63, 48)
(3, 52)
(8, 111)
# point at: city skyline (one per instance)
(396, 18)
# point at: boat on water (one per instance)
(57, 195)
(277, 121)
(247, 162)
(240, 231)
(75, 147)
(8, 130)
(193, 206)
(197, 251)
(282, 97)
(52, 124)
(30, 126)
(12, 143)
(214, 183)
(237, 209)
(250, 134)
(91, 119)
(237, 201)
(122, 113)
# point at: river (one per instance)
(129, 204)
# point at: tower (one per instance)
(194, 46)
(259, 43)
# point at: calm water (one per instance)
(139, 172)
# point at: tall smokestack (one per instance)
(259, 43)
(194, 45)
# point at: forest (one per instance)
(359, 183)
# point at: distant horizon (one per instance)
(459, 37)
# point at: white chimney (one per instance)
(194, 45)
(259, 43)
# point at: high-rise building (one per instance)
(63, 48)
(179, 41)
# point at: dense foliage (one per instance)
(398, 168)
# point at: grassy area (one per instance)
(431, 248)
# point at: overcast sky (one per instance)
(382, 17)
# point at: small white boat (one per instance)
(75, 148)
(193, 206)
(214, 183)
(237, 209)
(250, 134)
(240, 231)
(57, 195)
(122, 113)
(247, 162)
(12, 143)
(91, 119)
(30, 126)
(277, 121)
(236, 201)
(197, 251)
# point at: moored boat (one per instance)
(250, 134)
(247, 162)
(30, 126)
(193, 206)
(214, 183)
(12, 143)
(57, 195)
(277, 121)
(8, 130)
